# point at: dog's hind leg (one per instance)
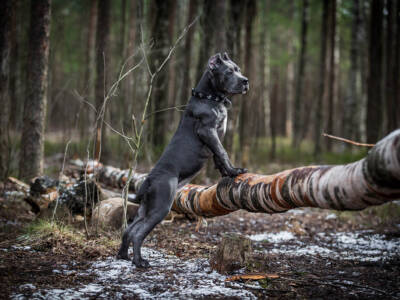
(158, 205)
(127, 237)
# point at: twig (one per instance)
(177, 108)
(347, 141)
(59, 181)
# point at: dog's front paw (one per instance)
(233, 172)
(141, 263)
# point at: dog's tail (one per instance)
(141, 194)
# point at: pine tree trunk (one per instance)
(172, 102)
(273, 101)
(351, 114)
(396, 74)
(390, 82)
(297, 111)
(5, 47)
(207, 32)
(290, 74)
(319, 109)
(234, 42)
(32, 140)
(102, 57)
(89, 66)
(375, 103)
(131, 46)
(332, 71)
(160, 50)
(15, 74)
(220, 34)
(246, 124)
(186, 82)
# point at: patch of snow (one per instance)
(21, 247)
(297, 211)
(359, 246)
(331, 217)
(168, 278)
(273, 237)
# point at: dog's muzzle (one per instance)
(246, 88)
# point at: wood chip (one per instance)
(252, 277)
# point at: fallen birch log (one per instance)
(373, 180)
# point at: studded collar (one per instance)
(217, 98)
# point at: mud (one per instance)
(317, 254)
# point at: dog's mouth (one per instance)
(245, 89)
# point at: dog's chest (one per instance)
(222, 121)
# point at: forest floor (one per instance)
(317, 254)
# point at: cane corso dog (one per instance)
(197, 138)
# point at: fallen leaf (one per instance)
(251, 277)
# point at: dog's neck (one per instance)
(207, 86)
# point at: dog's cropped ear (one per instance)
(214, 62)
(225, 56)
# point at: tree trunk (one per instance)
(15, 74)
(220, 34)
(319, 109)
(159, 34)
(290, 74)
(390, 84)
(332, 71)
(207, 31)
(234, 42)
(32, 140)
(186, 83)
(102, 57)
(5, 46)
(89, 66)
(130, 82)
(262, 100)
(396, 74)
(351, 114)
(172, 102)
(297, 111)
(375, 103)
(370, 181)
(246, 124)
(273, 102)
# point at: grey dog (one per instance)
(197, 138)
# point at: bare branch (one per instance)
(347, 141)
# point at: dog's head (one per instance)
(227, 75)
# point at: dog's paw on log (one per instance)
(232, 254)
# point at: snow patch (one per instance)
(359, 246)
(273, 237)
(168, 278)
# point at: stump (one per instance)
(232, 254)
(109, 213)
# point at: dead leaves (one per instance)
(257, 276)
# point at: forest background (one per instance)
(314, 67)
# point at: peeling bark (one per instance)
(373, 180)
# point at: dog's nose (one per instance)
(245, 81)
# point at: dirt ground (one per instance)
(316, 254)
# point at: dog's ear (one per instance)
(225, 56)
(214, 62)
